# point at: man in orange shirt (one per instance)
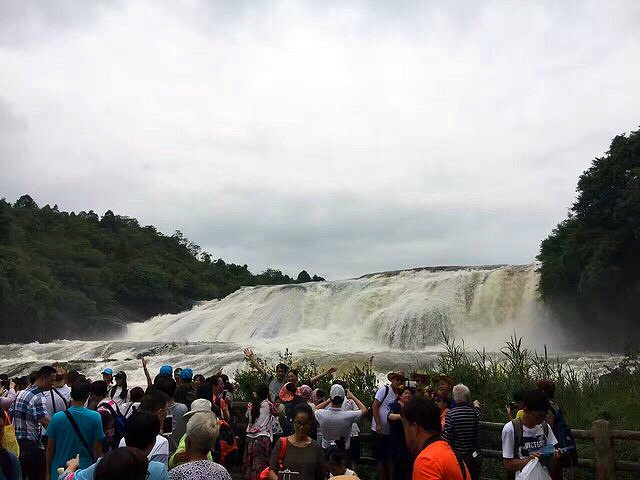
(435, 460)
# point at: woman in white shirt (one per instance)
(261, 414)
(119, 393)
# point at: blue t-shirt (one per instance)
(68, 445)
(16, 473)
(157, 471)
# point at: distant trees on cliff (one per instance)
(66, 274)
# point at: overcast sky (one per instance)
(342, 137)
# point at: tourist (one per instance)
(435, 459)
(107, 376)
(75, 431)
(119, 393)
(261, 414)
(175, 410)
(337, 465)
(381, 433)
(335, 422)
(176, 374)
(218, 401)
(398, 451)
(561, 430)
(119, 464)
(317, 396)
(423, 383)
(354, 449)
(58, 398)
(523, 437)
(199, 405)
(306, 392)
(289, 397)
(197, 381)
(9, 464)
(275, 383)
(29, 415)
(441, 403)
(227, 394)
(185, 392)
(131, 407)
(7, 392)
(293, 377)
(202, 432)
(155, 402)
(462, 429)
(302, 455)
(72, 377)
(515, 408)
(444, 389)
(107, 409)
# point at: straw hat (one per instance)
(399, 374)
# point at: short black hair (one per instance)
(99, 388)
(303, 407)
(122, 464)
(73, 376)
(136, 394)
(80, 390)
(536, 401)
(282, 366)
(294, 371)
(166, 385)
(46, 370)
(142, 429)
(154, 401)
(424, 413)
(205, 391)
(199, 377)
(336, 456)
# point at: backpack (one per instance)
(119, 423)
(565, 438)
(226, 446)
(264, 475)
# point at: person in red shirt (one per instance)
(435, 460)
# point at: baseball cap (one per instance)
(166, 370)
(337, 390)
(107, 371)
(186, 374)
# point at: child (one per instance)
(336, 464)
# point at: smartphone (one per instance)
(167, 426)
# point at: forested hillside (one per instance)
(590, 271)
(78, 275)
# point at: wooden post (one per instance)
(605, 453)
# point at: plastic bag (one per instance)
(533, 471)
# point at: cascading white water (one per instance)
(397, 317)
(402, 310)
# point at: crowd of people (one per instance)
(58, 425)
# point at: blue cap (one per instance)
(166, 370)
(107, 371)
(186, 374)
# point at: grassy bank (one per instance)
(584, 395)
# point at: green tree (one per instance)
(590, 264)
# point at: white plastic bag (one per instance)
(533, 471)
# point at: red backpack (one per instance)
(264, 475)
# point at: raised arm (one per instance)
(146, 371)
(322, 375)
(361, 406)
(248, 353)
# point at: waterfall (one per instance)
(400, 310)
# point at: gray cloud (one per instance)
(341, 137)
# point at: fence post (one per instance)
(605, 453)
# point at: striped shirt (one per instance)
(27, 411)
(462, 429)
